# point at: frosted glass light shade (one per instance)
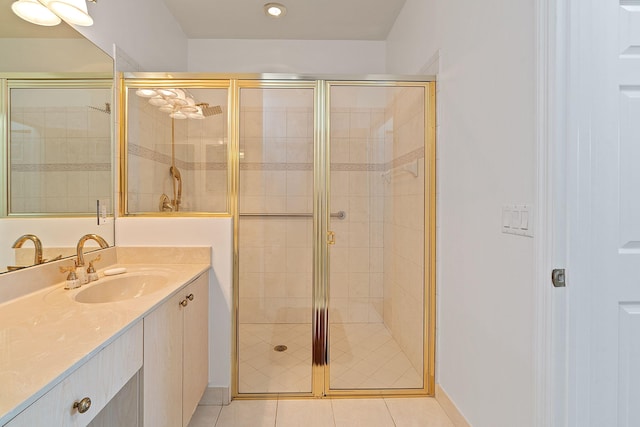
(181, 99)
(72, 11)
(190, 107)
(197, 115)
(35, 12)
(167, 93)
(178, 115)
(146, 93)
(158, 101)
(168, 108)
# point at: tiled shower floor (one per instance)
(362, 355)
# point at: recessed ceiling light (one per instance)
(275, 10)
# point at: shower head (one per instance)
(209, 111)
(106, 109)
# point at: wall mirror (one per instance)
(56, 139)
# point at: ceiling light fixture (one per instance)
(35, 12)
(179, 103)
(72, 11)
(49, 12)
(275, 10)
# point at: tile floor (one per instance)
(379, 412)
(366, 356)
(362, 355)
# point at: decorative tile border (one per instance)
(213, 166)
(61, 167)
(357, 167)
(278, 166)
(146, 153)
(139, 151)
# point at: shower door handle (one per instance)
(331, 238)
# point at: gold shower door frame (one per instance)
(320, 385)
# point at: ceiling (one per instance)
(304, 20)
(245, 19)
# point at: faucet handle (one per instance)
(71, 270)
(90, 269)
(68, 268)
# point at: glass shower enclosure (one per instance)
(331, 185)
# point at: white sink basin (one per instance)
(126, 286)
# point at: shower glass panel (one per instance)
(377, 265)
(177, 148)
(275, 230)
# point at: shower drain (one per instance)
(280, 347)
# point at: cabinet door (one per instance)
(196, 346)
(162, 368)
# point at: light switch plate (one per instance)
(517, 219)
(101, 212)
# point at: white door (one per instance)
(603, 287)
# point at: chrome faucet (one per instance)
(36, 242)
(103, 244)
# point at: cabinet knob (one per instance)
(190, 297)
(82, 406)
(184, 302)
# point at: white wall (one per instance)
(52, 56)
(287, 56)
(214, 232)
(486, 158)
(144, 29)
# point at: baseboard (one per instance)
(450, 408)
(217, 396)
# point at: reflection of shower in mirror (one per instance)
(176, 143)
(178, 110)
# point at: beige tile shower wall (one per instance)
(209, 191)
(276, 176)
(356, 260)
(60, 159)
(149, 134)
(404, 226)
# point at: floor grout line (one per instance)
(275, 419)
(389, 410)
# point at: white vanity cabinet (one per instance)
(176, 356)
(99, 380)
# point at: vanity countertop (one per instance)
(46, 335)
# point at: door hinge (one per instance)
(558, 278)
